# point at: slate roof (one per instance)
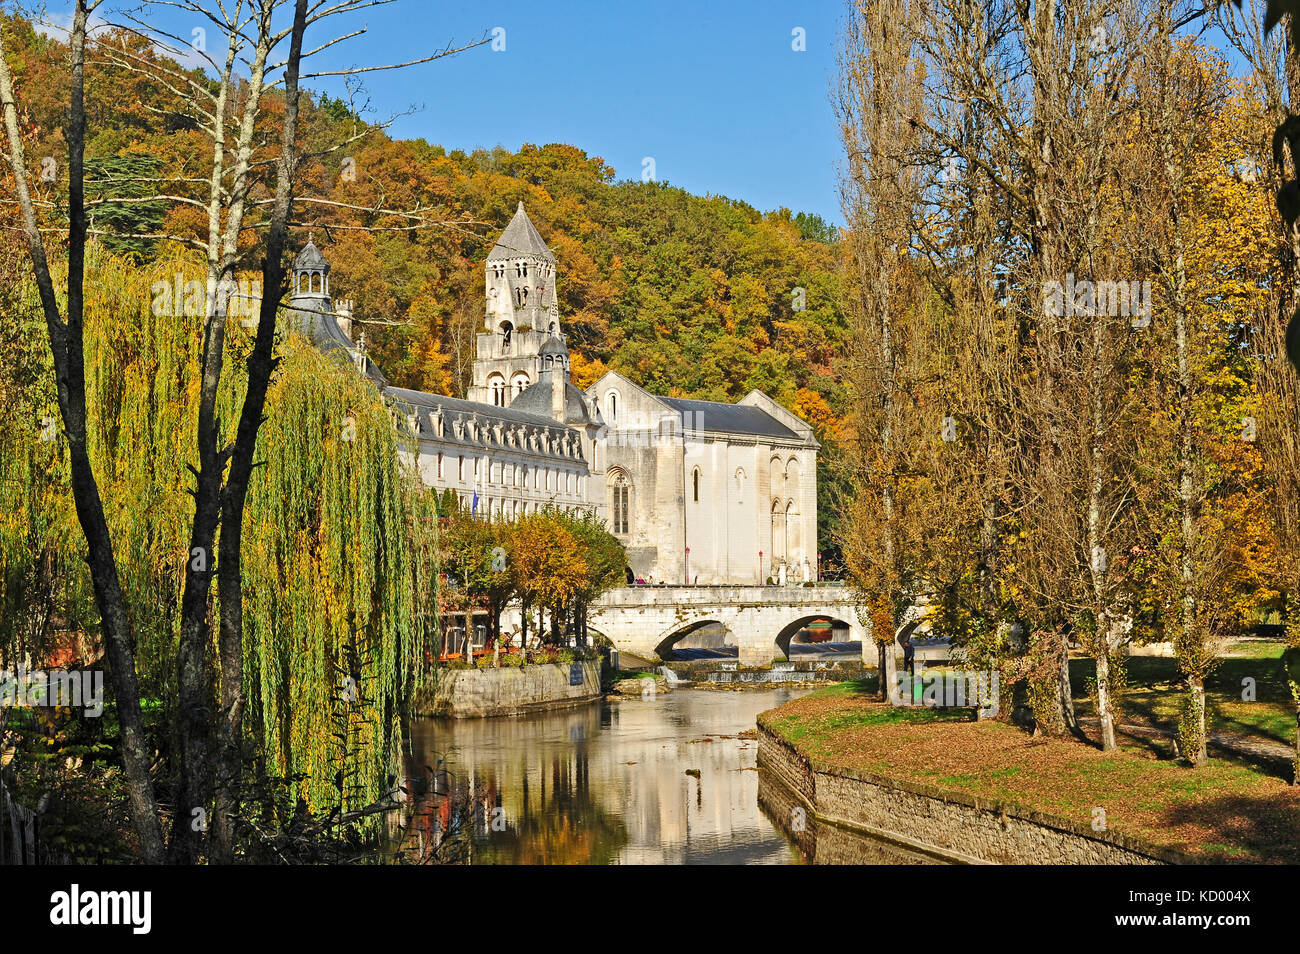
(536, 400)
(520, 240)
(729, 419)
(423, 406)
(310, 257)
(553, 345)
(457, 408)
(321, 328)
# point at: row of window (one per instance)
(501, 396)
(695, 483)
(492, 508)
(515, 475)
(314, 287)
(521, 269)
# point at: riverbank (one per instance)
(986, 791)
(511, 690)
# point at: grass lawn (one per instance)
(1153, 696)
(1225, 809)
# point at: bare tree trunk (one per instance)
(1097, 551)
(1067, 699)
(889, 672)
(1295, 762)
(260, 365)
(66, 344)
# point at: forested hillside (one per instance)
(688, 295)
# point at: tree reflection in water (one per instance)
(665, 780)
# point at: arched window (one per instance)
(778, 531)
(507, 332)
(520, 382)
(497, 386)
(740, 484)
(620, 500)
(695, 482)
(611, 405)
(793, 537)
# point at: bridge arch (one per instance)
(791, 632)
(667, 641)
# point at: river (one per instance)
(662, 780)
(666, 780)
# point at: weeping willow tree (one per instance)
(39, 591)
(338, 547)
(338, 536)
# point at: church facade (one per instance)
(697, 491)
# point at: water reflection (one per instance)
(658, 781)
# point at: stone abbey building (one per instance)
(697, 491)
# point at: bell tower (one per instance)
(522, 313)
(311, 273)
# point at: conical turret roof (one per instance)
(310, 257)
(520, 240)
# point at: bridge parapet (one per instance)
(641, 619)
(728, 594)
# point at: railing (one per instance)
(20, 832)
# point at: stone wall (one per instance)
(473, 693)
(951, 825)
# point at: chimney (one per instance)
(558, 380)
(343, 316)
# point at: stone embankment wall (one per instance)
(473, 693)
(950, 825)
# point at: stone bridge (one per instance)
(760, 620)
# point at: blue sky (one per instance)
(712, 91)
